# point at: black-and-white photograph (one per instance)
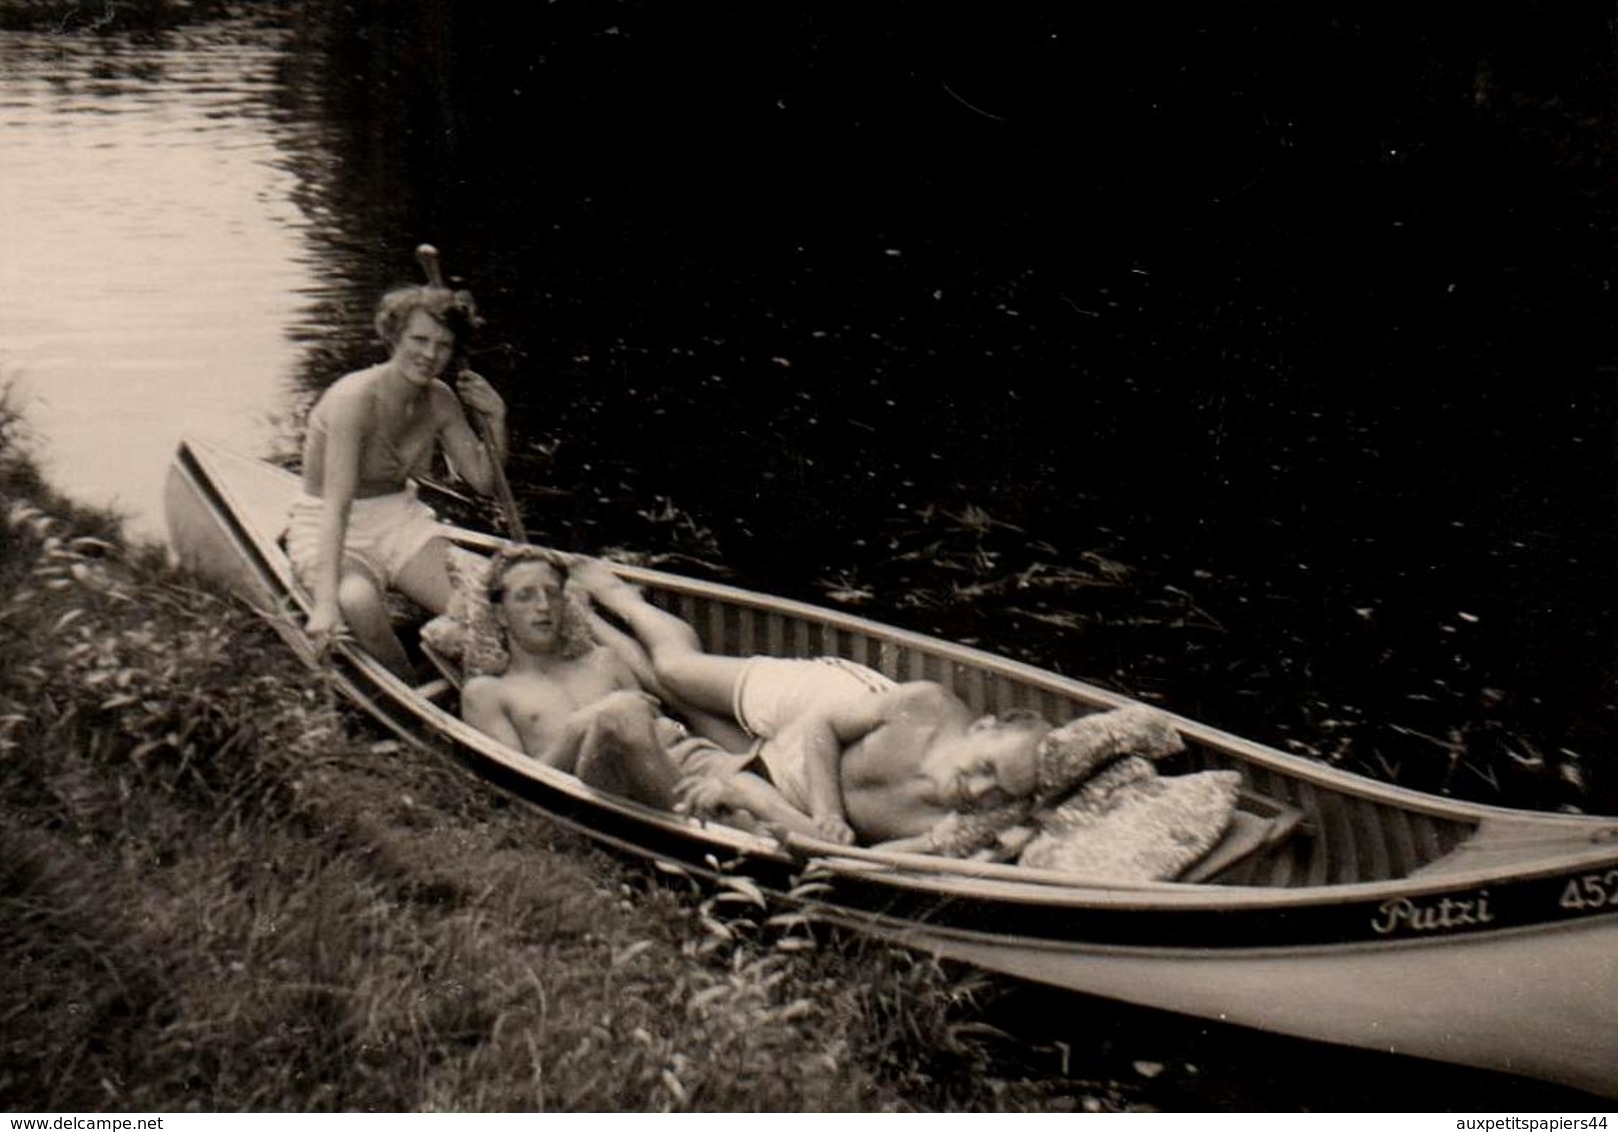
(703, 555)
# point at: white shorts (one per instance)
(384, 533)
(773, 692)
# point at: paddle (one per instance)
(427, 256)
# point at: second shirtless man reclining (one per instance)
(842, 751)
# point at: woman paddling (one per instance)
(359, 529)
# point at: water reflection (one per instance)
(155, 257)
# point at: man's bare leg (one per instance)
(720, 728)
(698, 678)
(621, 753)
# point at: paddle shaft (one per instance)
(427, 256)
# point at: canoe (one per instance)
(1363, 914)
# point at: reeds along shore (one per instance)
(219, 889)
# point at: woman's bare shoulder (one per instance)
(355, 381)
(445, 402)
(349, 391)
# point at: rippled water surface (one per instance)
(154, 259)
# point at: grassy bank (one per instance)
(220, 889)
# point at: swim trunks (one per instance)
(697, 757)
(774, 692)
(384, 533)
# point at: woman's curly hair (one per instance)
(573, 620)
(456, 311)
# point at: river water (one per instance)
(155, 258)
(1256, 364)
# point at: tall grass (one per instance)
(220, 890)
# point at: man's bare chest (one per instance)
(543, 704)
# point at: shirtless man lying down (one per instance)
(846, 753)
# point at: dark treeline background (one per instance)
(1256, 357)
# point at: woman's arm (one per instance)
(340, 479)
(468, 455)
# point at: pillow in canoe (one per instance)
(466, 634)
(1066, 758)
(1070, 754)
(1130, 824)
(1100, 807)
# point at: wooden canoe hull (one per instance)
(1464, 933)
(1528, 1001)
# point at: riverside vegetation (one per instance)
(221, 889)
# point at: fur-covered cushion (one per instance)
(467, 633)
(1070, 754)
(1094, 751)
(1124, 828)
